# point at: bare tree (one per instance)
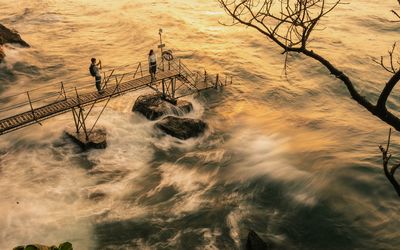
(385, 161)
(289, 24)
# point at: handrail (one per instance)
(50, 93)
(66, 89)
(71, 80)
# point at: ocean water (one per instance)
(291, 157)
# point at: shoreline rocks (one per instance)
(10, 36)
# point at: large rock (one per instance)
(62, 246)
(2, 55)
(254, 242)
(97, 139)
(11, 36)
(153, 106)
(182, 128)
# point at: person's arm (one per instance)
(99, 64)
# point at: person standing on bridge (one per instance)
(152, 65)
(95, 72)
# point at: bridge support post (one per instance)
(79, 121)
(173, 84)
(87, 139)
(163, 87)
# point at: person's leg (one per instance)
(98, 82)
(151, 72)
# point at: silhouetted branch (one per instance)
(396, 14)
(385, 161)
(391, 68)
(289, 24)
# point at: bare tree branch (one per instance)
(396, 14)
(385, 161)
(290, 23)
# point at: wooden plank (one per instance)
(12, 122)
(19, 119)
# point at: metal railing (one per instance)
(55, 92)
(60, 91)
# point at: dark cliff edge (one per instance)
(10, 36)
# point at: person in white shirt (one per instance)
(152, 65)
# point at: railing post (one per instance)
(216, 81)
(163, 87)
(173, 87)
(63, 91)
(77, 96)
(30, 103)
(179, 67)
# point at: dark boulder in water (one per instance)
(62, 246)
(254, 242)
(153, 106)
(182, 128)
(97, 139)
(11, 36)
(2, 55)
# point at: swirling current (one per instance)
(288, 155)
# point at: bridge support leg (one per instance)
(79, 120)
(87, 139)
(163, 87)
(173, 84)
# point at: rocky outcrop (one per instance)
(97, 139)
(182, 128)
(62, 246)
(254, 242)
(2, 55)
(11, 36)
(153, 106)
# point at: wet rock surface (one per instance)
(254, 242)
(9, 36)
(62, 246)
(182, 128)
(2, 55)
(97, 139)
(153, 106)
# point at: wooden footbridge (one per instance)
(173, 80)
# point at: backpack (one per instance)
(91, 70)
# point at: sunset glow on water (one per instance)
(291, 157)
